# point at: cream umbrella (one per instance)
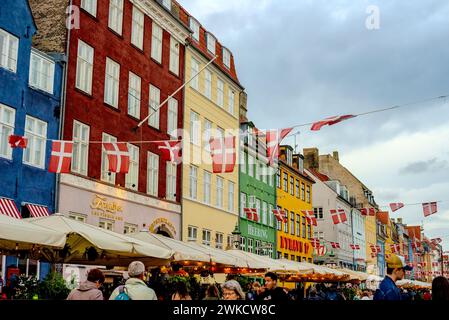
(355, 275)
(254, 261)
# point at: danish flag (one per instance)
(18, 141)
(315, 243)
(368, 211)
(251, 214)
(434, 264)
(118, 156)
(330, 121)
(223, 154)
(338, 216)
(170, 150)
(415, 245)
(395, 248)
(396, 206)
(355, 246)
(437, 240)
(429, 208)
(374, 248)
(310, 216)
(335, 245)
(280, 215)
(274, 138)
(61, 156)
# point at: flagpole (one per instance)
(174, 93)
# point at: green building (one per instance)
(257, 190)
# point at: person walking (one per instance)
(89, 289)
(212, 293)
(272, 291)
(181, 292)
(135, 287)
(313, 295)
(232, 291)
(440, 289)
(388, 290)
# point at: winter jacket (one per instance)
(86, 291)
(387, 291)
(136, 290)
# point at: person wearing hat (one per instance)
(135, 287)
(388, 290)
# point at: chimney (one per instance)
(311, 158)
(335, 156)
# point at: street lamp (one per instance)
(236, 234)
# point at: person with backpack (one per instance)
(135, 287)
(89, 289)
(388, 290)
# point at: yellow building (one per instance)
(209, 201)
(371, 239)
(294, 194)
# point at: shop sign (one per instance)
(257, 232)
(162, 222)
(103, 208)
(294, 245)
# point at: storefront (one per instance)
(257, 238)
(294, 249)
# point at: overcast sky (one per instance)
(303, 60)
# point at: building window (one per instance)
(106, 224)
(258, 245)
(258, 206)
(129, 228)
(270, 215)
(36, 132)
(219, 241)
(77, 217)
(111, 83)
(250, 136)
(304, 231)
(84, 67)
(256, 169)
(155, 100)
(292, 188)
(220, 93)
(250, 165)
(7, 120)
(207, 187)
(206, 237)
(116, 15)
(242, 204)
(285, 182)
(132, 177)
(210, 43)
(80, 148)
(167, 4)
(42, 72)
(298, 225)
(303, 191)
(278, 179)
(227, 58)
(172, 120)
(208, 84)
(251, 201)
(285, 255)
(264, 172)
(309, 232)
(170, 192)
(152, 174)
(207, 134)
(279, 223)
(220, 187)
(231, 196)
(137, 28)
(192, 234)
(107, 176)
(297, 189)
(195, 128)
(195, 26)
(308, 194)
(243, 243)
(264, 212)
(231, 101)
(242, 161)
(193, 186)
(250, 245)
(9, 45)
(194, 69)
(134, 91)
(90, 6)
(286, 222)
(174, 56)
(156, 43)
(318, 212)
(279, 255)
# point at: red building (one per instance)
(125, 55)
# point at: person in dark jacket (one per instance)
(272, 291)
(88, 290)
(440, 289)
(388, 290)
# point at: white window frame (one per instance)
(211, 43)
(250, 165)
(9, 55)
(137, 29)
(193, 182)
(35, 139)
(231, 192)
(195, 26)
(207, 187)
(84, 67)
(77, 217)
(208, 84)
(192, 234)
(270, 215)
(194, 69)
(80, 159)
(206, 237)
(174, 56)
(220, 192)
(264, 212)
(105, 175)
(195, 128)
(219, 240)
(155, 101)
(156, 42)
(152, 174)
(220, 93)
(167, 4)
(130, 228)
(134, 95)
(132, 177)
(106, 224)
(6, 129)
(170, 192)
(42, 72)
(242, 161)
(227, 58)
(115, 21)
(258, 205)
(90, 6)
(172, 118)
(207, 134)
(111, 82)
(231, 101)
(242, 243)
(242, 203)
(249, 245)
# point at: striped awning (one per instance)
(37, 211)
(9, 208)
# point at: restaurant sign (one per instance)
(103, 208)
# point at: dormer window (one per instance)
(301, 164)
(289, 155)
(195, 26)
(210, 43)
(167, 4)
(227, 58)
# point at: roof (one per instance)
(303, 174)
(414, 232)
(383, 217)
(319, 175)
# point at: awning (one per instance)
(9, 208)
(37, 211)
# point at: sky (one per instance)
(304, 60)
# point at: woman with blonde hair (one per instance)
(232, 291)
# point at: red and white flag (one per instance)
(223, 154)
(396, 206)
(330, 121)
(375, 248)
(338, 216)
(118, 156)
(368, 211)
(395, 248)
(310, 216)
(18, 141)
(251, 214)
(170, 150)
(355, 246)
(280, 215)
(61, 156)
(335, 245)
(315, 242)
(274, 138)
(437, 240)
(429, 208)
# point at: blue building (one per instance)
(30, 99)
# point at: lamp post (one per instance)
(236, 234)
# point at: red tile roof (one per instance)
(319, 175)
(383, 217)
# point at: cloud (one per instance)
(420, 167)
